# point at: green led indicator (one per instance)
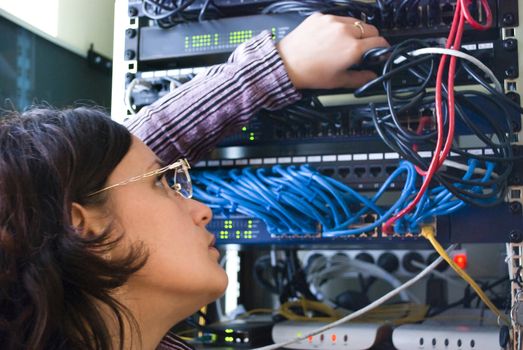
(244, 128)
(251, 138)
(229, 331)
(239, 37)
(229, 339)
(224, 234)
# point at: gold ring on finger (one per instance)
(359, 25)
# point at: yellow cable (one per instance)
(306, 306)
(428, 233)
(256, 311)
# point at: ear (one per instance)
(87, 221)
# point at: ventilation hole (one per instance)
(359, 171)
(375, 171)
(390, 169)
(344, 172)
(327, 171)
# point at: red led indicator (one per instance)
(461, 260)
(309, 338)
(333, 338)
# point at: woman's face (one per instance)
(182, 261)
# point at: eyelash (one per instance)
(159, 181)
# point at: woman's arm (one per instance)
(189, 121)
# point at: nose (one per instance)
(200, 213)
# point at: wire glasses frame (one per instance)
(176, 175)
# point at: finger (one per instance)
(368, 29)
(363, 30)
(366, 44)
(356, 78)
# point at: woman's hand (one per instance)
(320, 51)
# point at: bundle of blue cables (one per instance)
(299, 200)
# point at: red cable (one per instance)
(473, 23)
(461, 15)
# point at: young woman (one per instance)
(101, 246)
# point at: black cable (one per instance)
(403, 141)
(468, 297)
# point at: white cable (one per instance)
(464, 167)
(367, 308)
(456, 53)
(129, 92)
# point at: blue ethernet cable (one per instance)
(411, 175)
(293, 184)
(328, 202)
(292, 201)
(249, 179)
(305, 170)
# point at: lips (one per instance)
(213, 242)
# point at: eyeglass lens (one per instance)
(179, 180)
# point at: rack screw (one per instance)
(508, 19)
(510, 72)
(515, 207)
(510, 44)
(515, 236)
(132, 12)
(130, 33)
(129, 54)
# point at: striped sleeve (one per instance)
(189, 121)
(173, 342)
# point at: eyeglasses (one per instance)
(176, 175)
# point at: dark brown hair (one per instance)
(52, 279)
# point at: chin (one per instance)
(221, 285)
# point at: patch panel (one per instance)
(362, 171)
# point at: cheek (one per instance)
(179, 260)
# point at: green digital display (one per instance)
(239, 37)
(216, 40)
(229, 233)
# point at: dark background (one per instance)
(34, 71)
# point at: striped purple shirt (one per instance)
(189, 121)
(173, 342)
